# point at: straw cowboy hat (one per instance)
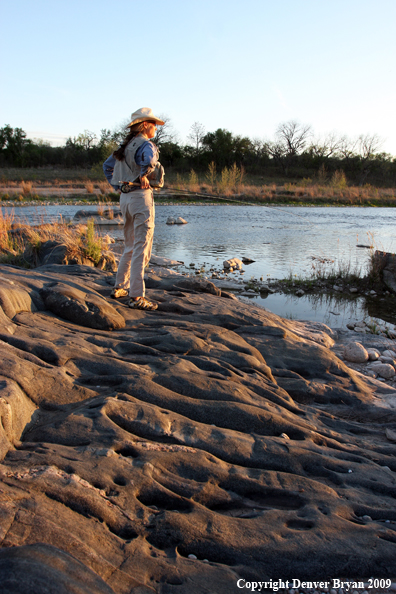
(143, 115)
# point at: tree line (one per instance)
(293, 153)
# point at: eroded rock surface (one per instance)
(134, 448)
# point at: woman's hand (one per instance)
(144, 182)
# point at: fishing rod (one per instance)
(125, 185)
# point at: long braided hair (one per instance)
(134, 130)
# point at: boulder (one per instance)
(386, 263)
(234, 263)
(355, 353)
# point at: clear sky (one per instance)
(243, 65)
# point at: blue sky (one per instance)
(245, 65)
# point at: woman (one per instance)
(134, 160)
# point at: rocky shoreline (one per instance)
(188, 448)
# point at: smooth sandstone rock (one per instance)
(44, 569)
(82, 308)
(162, 439)
(355, 353)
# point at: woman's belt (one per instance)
(127, 187)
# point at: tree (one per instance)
(360, 154)
(368, 147)
(165, 133)
(12, 144)
(293, 136)
(86, 140)
(224, 148)
(326, 148)
(196, 136)
(291, 139)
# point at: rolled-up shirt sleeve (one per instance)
(146, 157)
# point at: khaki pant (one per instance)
(138, 212)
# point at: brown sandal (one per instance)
(117, 293)
(142, 303)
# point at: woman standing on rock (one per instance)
(133, 161)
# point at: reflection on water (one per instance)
(281, 240)
(331, 310)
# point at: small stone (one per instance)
(373, 354)
(170, 221)
(385, 370)
(284, 435)
(351, 325)
(191, 556)
(180, 221)
(355, 353)
(353, 290)
(367, 518)
(350, 471)
(300, 293)
(389, 353)
(388, 360)
(234, 263)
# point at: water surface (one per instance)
(283, 241)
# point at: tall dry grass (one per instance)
(26, 188)
(20, 243)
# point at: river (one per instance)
(282, 241)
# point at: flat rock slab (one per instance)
(202, 443)
(43, 569)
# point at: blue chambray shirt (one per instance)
(146, 156)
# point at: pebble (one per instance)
(367, 518)
(373, 354)
(284, 435)
(389, 353)
(191, 556)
